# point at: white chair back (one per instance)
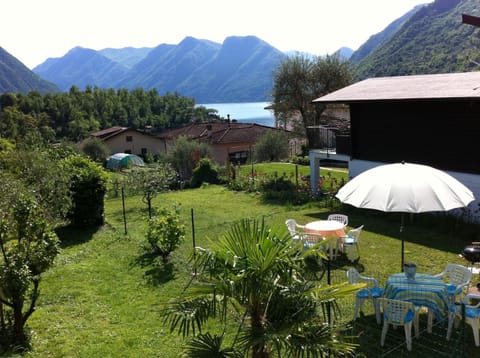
(339, 217)
(458, 274)
(355, 233)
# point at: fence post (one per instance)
(194, 245)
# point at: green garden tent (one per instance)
(124, 160)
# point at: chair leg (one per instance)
(384, 333)
(350, 253)
(376, 306)
(474, 324)
(451, 319)
(416, 325)
(430, 321)
(408, 335)
(358, 306)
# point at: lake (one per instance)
(248, 112)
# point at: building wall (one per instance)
(443, 134)
(139, 141)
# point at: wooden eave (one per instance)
(463, 86)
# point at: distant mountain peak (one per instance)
(17, 78)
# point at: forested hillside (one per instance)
(433, 40)
(75, 114)
(16, 77)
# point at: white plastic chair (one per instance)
(372, 291)
(339, 217)
(292, 226)
(399, 313)
(472, 316)
(352, 241)
(459, 279)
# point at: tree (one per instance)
(257, 273)
(272, 146)
(95, 149)
(151, 181)
(28, 247)
(42, 170)
(300, 79)
(186, 156)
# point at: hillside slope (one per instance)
(433, 40)
(15, 77)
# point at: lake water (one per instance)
(251, 112)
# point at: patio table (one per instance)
(423, 291)
(326, 228)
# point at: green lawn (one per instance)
(103, 296)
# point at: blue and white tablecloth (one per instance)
(424, 290)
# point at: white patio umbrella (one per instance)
(405, 188)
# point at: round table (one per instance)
(326, 228)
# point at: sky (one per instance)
(34, 30)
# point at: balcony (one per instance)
(326, 140)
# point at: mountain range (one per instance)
(428, 39)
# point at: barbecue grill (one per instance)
(471, 252)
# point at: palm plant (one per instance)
(257, 275)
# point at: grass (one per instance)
(103, 296)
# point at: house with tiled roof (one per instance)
(126, 140)
(228, 140)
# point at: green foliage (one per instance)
(283, 190)
(186, 155)
(165, 232)
(149, 181)
(95, 149)
(254, 270)
(28, 248)
(88, 187)
(300, 79)
(6, 145)
(208, 346)
(204, 173)
(271, 147)
(432, 41)
(75, 114)
(42, 171)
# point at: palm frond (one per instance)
(208, 346)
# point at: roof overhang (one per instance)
(452, 86)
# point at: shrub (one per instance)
(281, 189)
(88, 188)
(165, 232)
(204, 173)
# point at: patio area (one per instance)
(367, 332)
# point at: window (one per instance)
(128, 151)
(129, 138)
(144, 152)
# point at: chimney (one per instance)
(228, 120)
(209, 130)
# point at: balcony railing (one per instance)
(326, 139)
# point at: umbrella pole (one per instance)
(403, 242)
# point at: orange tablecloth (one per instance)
(326, 228)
